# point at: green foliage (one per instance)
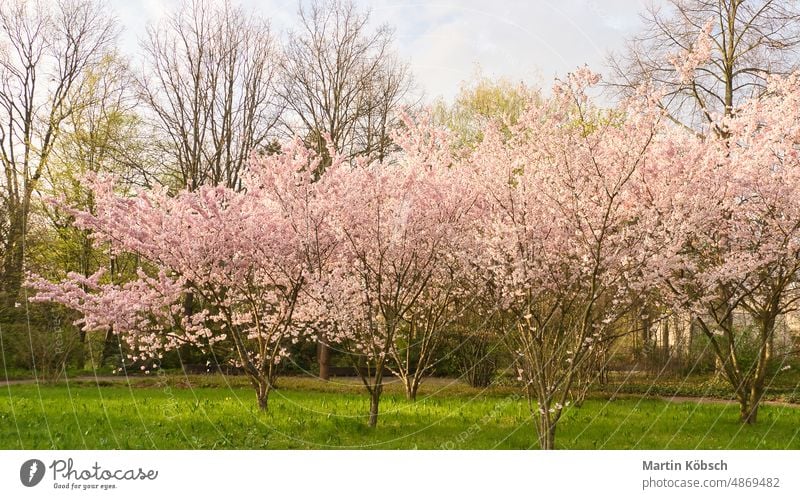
(481, 103)
(597, 120)
(44, 343)
(101, 135)
(475, 354)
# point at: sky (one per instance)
(447, 43)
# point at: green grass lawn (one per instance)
(305, 414)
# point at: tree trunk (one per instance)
(262, 394)
(646, 335)
(12, 266)
(720, 363)
(602, 375)
(412, 385)
(748, 412)
(665, 342)
(110, 346)
(80, 356)
(547, 431)
(690, 340)
(324, 359)
(374, 400)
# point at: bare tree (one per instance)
(45, 52)
(341, 81)
(750, 39)
(208, 86)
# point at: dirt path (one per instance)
(714, 400)
(435, 381)
(82, 379)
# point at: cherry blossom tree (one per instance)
(558, 242)
(726, 226)
(392, 287)
(244, 254)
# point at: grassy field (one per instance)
(173, 413)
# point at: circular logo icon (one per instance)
(31, 472)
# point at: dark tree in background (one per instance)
(207, 86)
(340, 79)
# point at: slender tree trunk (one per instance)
(324, 358)
(374, 401)
(748, 413)
(547, 431)
(12, 266)
(110, 346)
(411, 385)
(690, 330)
(665, 341)
(262, 393)
(720, 363)
(80, 357)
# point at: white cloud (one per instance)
(444, 41)
(531, 41)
